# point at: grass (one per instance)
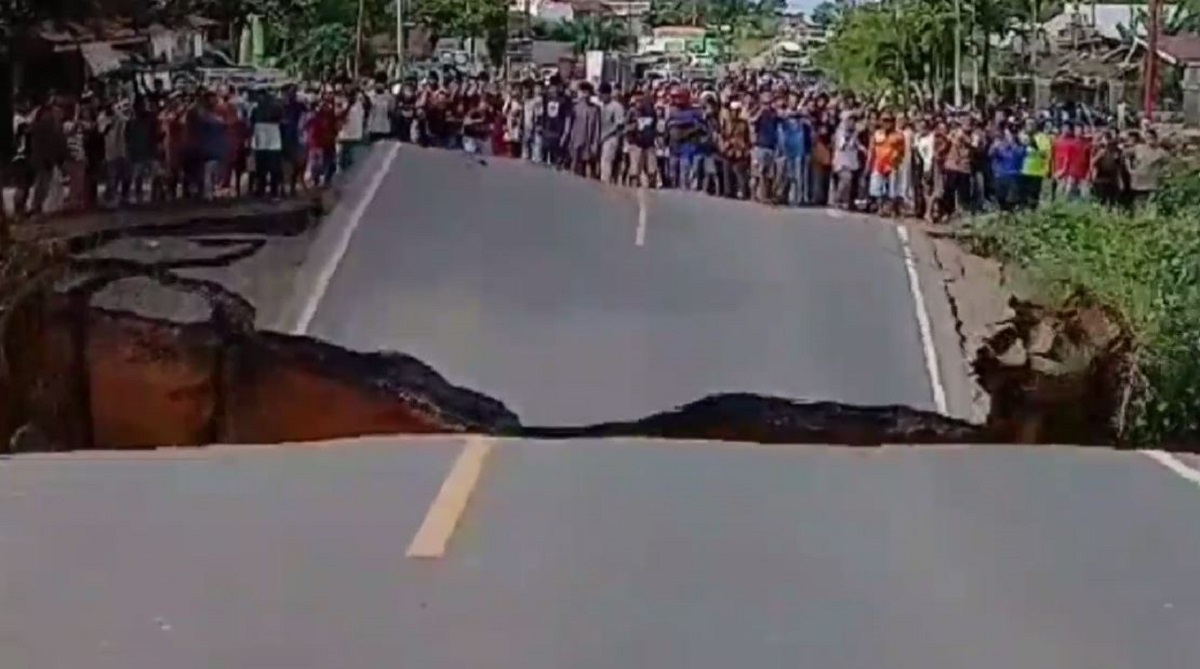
(1146, 267)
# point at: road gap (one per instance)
(90, 378)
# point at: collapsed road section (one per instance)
(157, 339)
(78, 375)
(90, 377)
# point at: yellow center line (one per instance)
(451, 501)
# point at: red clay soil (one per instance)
(271, 396)
(150, 384)
(125, 382)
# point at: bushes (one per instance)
(1146, 266)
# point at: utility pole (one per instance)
(958, 39)
(358, 39)
(1035, 16)
(399, 39)
(1150, 85)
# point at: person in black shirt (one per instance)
(406, 112)
(1110, 176)
(641, 129)
(556, 124)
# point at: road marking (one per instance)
(639, 238)
(342, 243)
(914, 287)
(1174, 464)
(451, 501)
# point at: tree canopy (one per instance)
(908, 46)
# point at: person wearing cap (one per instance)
(684, 128)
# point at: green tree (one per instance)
(909, 45)
(905, 47)
(605, 33)
(826, 14)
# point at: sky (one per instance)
(805, 6)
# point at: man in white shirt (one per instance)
(353, 117)
(612, 126)
(532, 134)
(379, 120)
(267, 143)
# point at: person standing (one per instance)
(513, 114)
(352, 133)
(641, 129)
(684, 128)
(267, 144)
(887, 150)
(846, 148)
(612, 124)
(213, 147)
(735, 147)
(1006, 156)
(143, 136)
(1109, 173)
(74, 129)
(793, 152)
(555, 124)
(322, 141)
(1036, 166)
(584, 135)
(764, 122)
(1145, 161)
(1066, 158)
(531, 131)
(383, 106)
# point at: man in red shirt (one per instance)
(322, 130)
(1071, 158)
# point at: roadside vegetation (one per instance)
(1144, 268)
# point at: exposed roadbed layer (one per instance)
(594, 554)
(219, 381)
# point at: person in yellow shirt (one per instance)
(1036, 166)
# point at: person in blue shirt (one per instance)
(685, 129)
(764, 126)
(1006, 156)
(793, 155)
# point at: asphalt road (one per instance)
(598, 555)
(575, 302)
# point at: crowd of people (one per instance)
(773, 141)
(137, 146)
(748, 136)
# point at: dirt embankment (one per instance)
(91, 378)
(1045, 374)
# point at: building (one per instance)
(795, 26)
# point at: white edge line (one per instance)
(345, 234)
(640, 236)
(1174, 464)
(914, 286)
